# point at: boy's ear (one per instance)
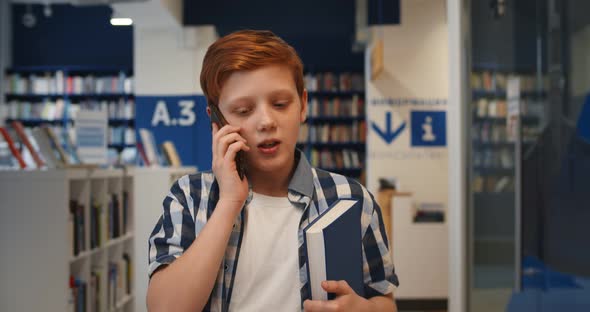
(303, 113)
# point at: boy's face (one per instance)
(265, 104)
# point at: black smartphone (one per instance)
(219, 120)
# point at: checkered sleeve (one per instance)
(379, 273)
(175, 230)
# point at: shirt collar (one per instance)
(301, 184)
(302, 179)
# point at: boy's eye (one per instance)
(242, 111)
(281, 104)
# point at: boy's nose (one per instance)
(267, 120)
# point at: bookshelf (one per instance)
(39, 263)
(493, 155)
(63, 250)
(334, 134)
(54, 94)
(493, 150)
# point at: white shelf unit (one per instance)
(36, 233)
(36, 236)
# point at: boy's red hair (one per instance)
(246, 50)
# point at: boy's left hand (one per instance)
(346, 299)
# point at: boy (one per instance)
(230, 244)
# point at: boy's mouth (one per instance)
(269, 146)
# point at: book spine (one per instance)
(20, 131)
(13, 148)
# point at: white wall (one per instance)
(168, 61)
(416, 67)
(167, 56)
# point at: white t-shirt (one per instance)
(267, 276)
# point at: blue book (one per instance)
(334, 248)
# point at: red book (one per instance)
(13, 149)
(70, 85)
(20, 131)
(143, 155)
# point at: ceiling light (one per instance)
(121, 21)
(118, 20)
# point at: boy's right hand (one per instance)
(226, 144)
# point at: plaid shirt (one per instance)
(191, 202)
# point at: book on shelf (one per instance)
(78, 294)
(71, 148)
(334, 82)
(24, 138)
(77, 226)
(95, 223)
(169, 151)
(149, 147)
(125, 216)
(115, 217)
(334, 248)
(95, 294)
(142, 155)
(119, 280)
(478, 184)
(503, 184)
(15, 154)
(127, 264)
(46, 149)
(57, 146)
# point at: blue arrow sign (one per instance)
(389, 134)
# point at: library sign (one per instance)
(181, 119)
(407, 142)
(425, 120)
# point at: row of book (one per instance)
(112, 225)
(356, 132)
(117, 211)
(39, 147)
(490, 108)
(121, 109)
(53, 147)
(80, 293)
(336, 159)
(333, 82)
(87, 295)
(153, 155)
(60, 83)
(502, 158)
(498, 81)
(77, 226)
(47, 109)
(56, 109)
(485, 107)
(121, 135)
(492, 184)
(119, 283)
(489, 132)
(336, 106)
